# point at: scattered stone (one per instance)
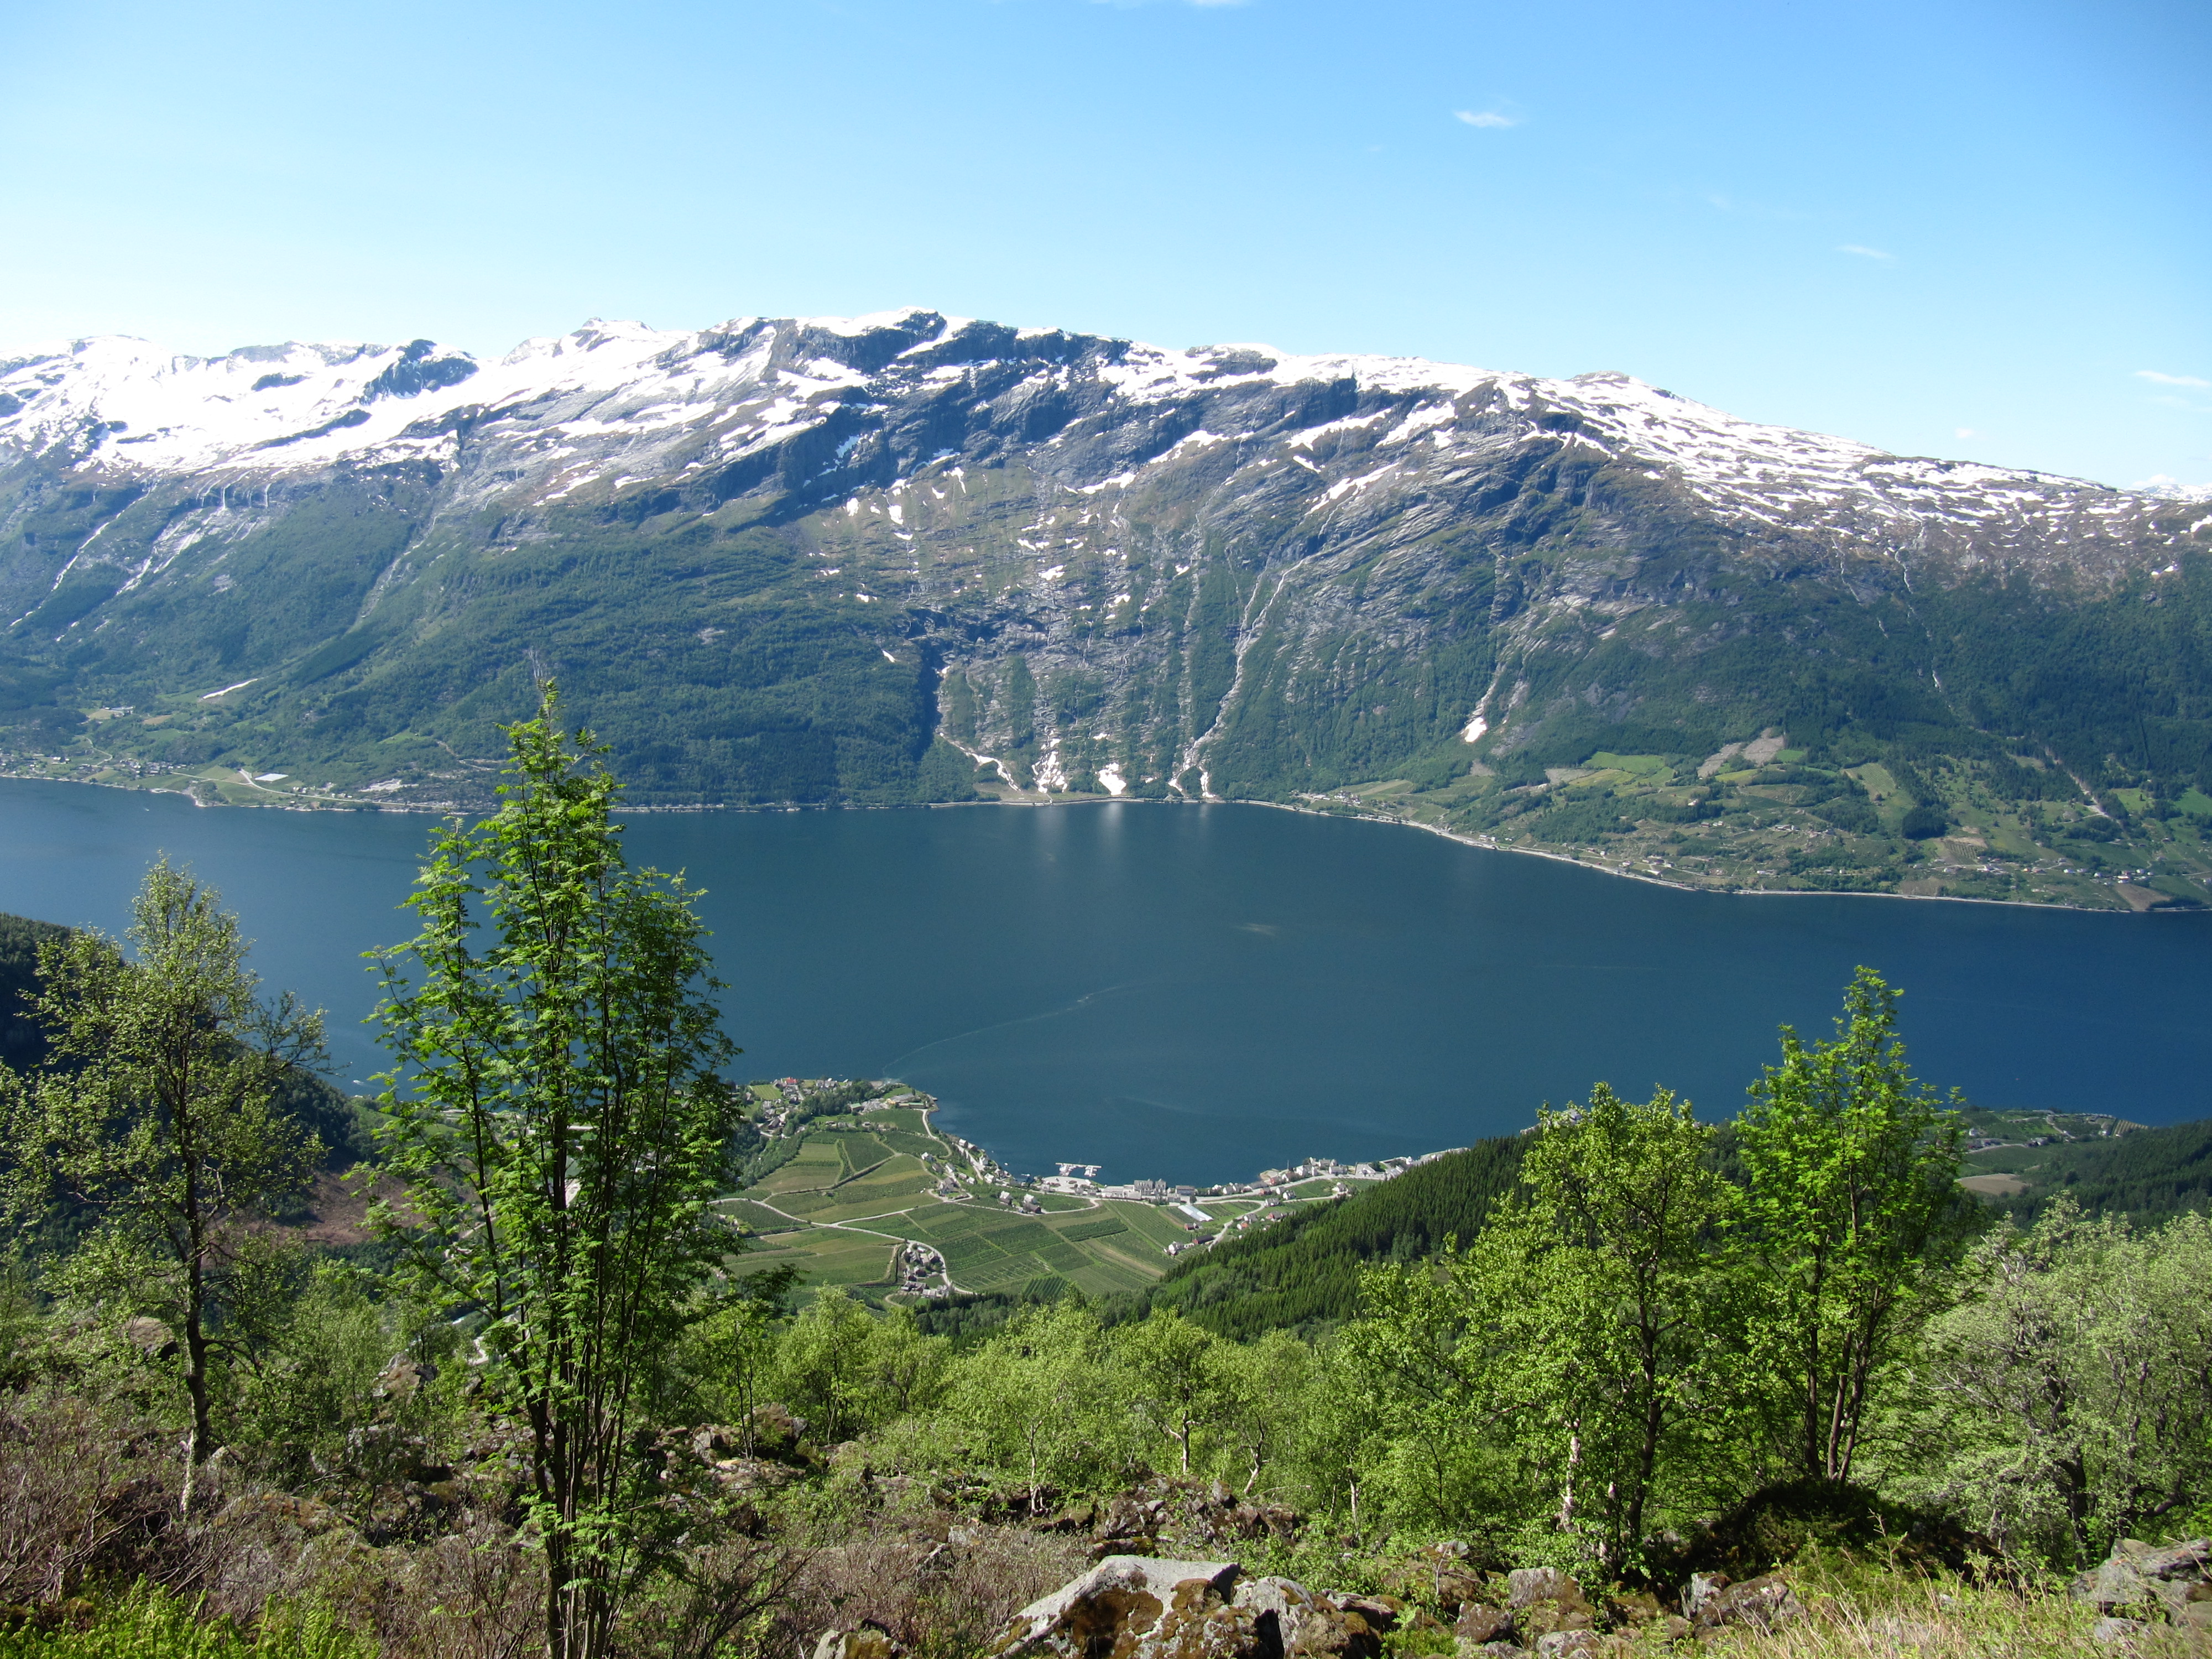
(1764, 1603)
(1635, 1608)
(1381, 1613)
(1306, 1626)
(1527, 1584)
(776, 1433)
(1563, 1643)
(870, 1641)
(1703, 1587)
(403, 1378)
(1450, 1573)
(2109, 1629)
(1479, 1624)
(1546, 1601)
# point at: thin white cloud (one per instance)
(1864, 252)
(2157, 379)
(1968, 432)
(1484, 118)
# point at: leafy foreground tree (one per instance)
(559, 1116)
(156, 1109)
(1855, 1220)
(1589, 1335)
(2067, 1402)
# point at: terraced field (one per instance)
(860, 1184)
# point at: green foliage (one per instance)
(845, 1371)
(1854, 1217)
(560, 1122)
(148, 1623)
(23, 1041)
(2064, 1404)
(1176, 1381)
(1922, 822)
(1572, 1346)
(1037, 1403)
(157, 1112)
(1590, 1335)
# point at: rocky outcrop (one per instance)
(1306, 1624)
(865, 1641)
(1134, 1607)
(1764, 1603)
(1179, 1515)
(1131, 1607)
(2140, 1584)
(1139, 1607)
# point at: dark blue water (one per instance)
(1200, 991)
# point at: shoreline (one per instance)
(445, 809)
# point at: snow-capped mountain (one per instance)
(810, 559)
(615, 401)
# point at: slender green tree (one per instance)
(1174, 1376)
(1568, 1370)
(1037, 1402)
(1856, 1220)
(1623, 1231)
(157, 1108)
(558, 1114)
(1266, 1388)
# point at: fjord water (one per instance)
(1197, 993)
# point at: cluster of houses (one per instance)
(921, 1270)
(792, 1095)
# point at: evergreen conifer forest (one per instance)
(1628, 1382)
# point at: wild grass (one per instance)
(1855, 1608)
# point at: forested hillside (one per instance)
(913, 559)
(2148, 1174)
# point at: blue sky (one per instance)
(1946, 227)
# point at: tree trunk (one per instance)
(196, 1383)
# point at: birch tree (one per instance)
(557, 1113)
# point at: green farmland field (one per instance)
(857, 1185)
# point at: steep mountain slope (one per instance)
(902, 557)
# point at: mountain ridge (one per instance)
(909, 556)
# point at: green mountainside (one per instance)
(913, 560)
(1302, 1273)
(2148, 1174)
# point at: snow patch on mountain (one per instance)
(615, 401)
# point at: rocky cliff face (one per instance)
(851, 560)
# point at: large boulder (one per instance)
(2172, 1579)
(1131, 1607)
(1135, 1607)
(1479, 1625)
